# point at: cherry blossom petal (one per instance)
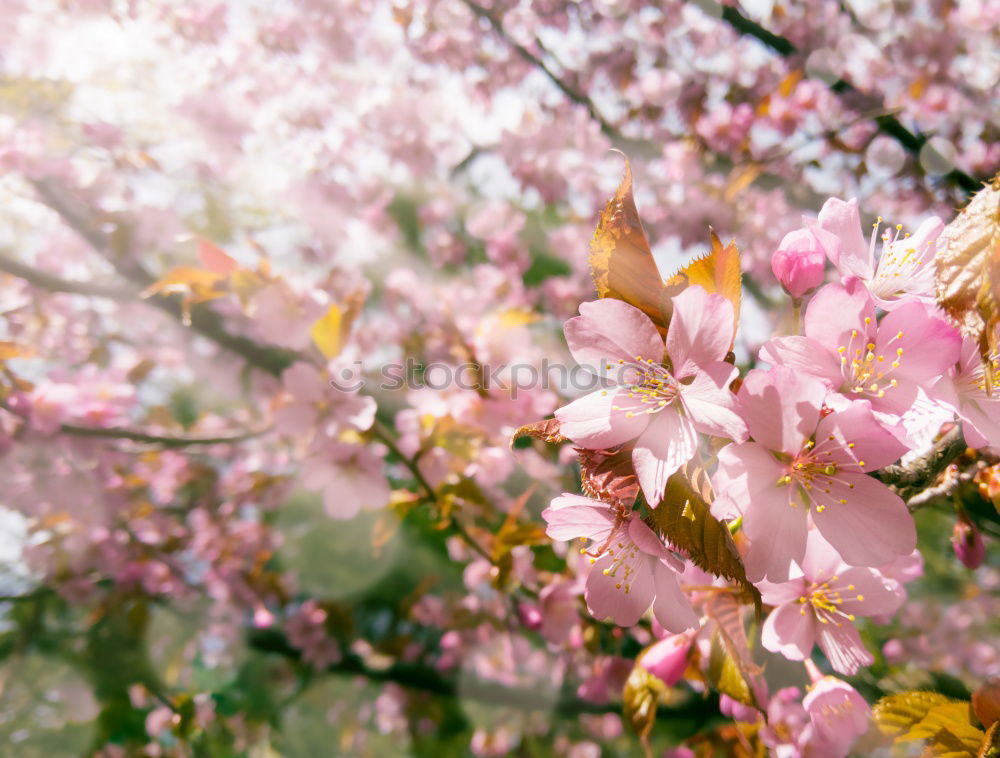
(606, 595)
(745, 470)
(853, 255)
(780, 593)
(789, 631)
(710, 404)
(866, 592)
(821, 560)
(842, 646)
(648, 541)
(858, 438)
(837, 311)
(774, 421)
(803, 354)
(929, 343)
(867, 523)
(664, 447)
(610, 330)
(700, 332)
(671, 607)
(570, 517)
(601, 419)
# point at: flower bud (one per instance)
(968, 544)
(798, 262)
(838, 714)
(667, 659)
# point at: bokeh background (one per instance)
(209, 209)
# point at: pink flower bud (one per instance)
(530, 615)
(968, 544)
(667, 659)
(838, 714)
(798, 262)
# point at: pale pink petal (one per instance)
(570, 517)
(664, 447)
(304, 383)
(700, 332)
(710, 404)
(803, 354)
(745, 471)
(781, 593)
(982, 417)
(609, 330)
(858, 437)
(866, 592)
(868, 524)
(836, 312)
(843, 647)
(607, 597)
(821, 560)
(777, 532)
(647, 541)
(602, 419)
(352, 488)
(781, 407)
(930, 345)
(853, 255)
(671, 607)
(790, 632)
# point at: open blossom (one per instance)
(808, 462)
(820, 607)
(632, 568)
(349, 476)
(663, 394)
(885, 362)
(904, 272)
(309, 401)
(964, 392)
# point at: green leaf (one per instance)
(725, 676)
(944, 722)
(686, 521)
(897, 714)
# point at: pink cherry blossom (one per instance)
(632, 568)
(350, 477)
(885, 362)
(310, 404)
(967, 541)
(806, 462)
(820, 607)
(799, 260)
(904, 272)
(839, 715)
(662, 395)
(964, 392)
(668, 658)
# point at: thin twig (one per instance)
(116, 432)
(52, 283)
(887, 123)
(204, 320)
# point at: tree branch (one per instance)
(924, 470)
(52, 283)
(886, 123)
(113, 432)
(204, 320)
